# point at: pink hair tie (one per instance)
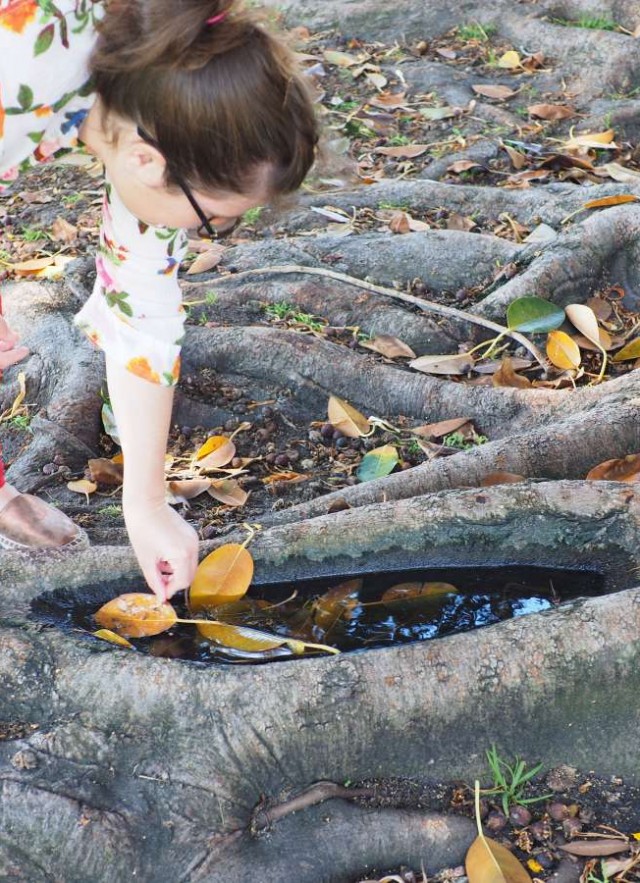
(216, 19)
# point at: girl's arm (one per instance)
(165, 545)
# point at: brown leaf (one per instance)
(506, 376)
(552, 111)
(223, 576)
(440, 429)
(606, 201)
(207, 260)
(292, 477)
(389, 100)
(82, 486)
(624, 469)
(601, 308)
(501, 478)
(389, 346)
(403, 151)
(449, 54)
(331, 606)
(63, 231)
(188, 489)
(218, 450)
(136, 615)
(347, 419)
(26, 268)
(339, 505)
(607, 846)
(106, 472)
(490, 862)
(459, 222)
(453, 364)
(518, 160)
(399, 223)
(411, 590)
(462, 165)
(500, 93)
(229, 492)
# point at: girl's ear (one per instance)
(144, 162)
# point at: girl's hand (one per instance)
(165, 545)
(9, 352)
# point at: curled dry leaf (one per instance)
(440, 429)
(347, 419)
(607, 201)
(461, 363)
(463, 165)
(218, 450)
(389, 346)
(136, 615)
(403, 151)
(107, 472)
(494, 478)
(563, 351)
(552, 111)
(188, 489)
(488, 90)
(623, 469)
(506, 376)
(82, 486)
(228, 491)
(399, 223)
(112, 637)
(207, 260)
(584, 319)
(223, 576)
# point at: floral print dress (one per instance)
(135, 312)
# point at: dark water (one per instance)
(482, 596)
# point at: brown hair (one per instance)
(220, 100)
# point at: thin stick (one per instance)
(426, 305)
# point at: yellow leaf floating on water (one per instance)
(411, 590)
(136, 615)
(112, 637)
(223, 576)
(253, 640)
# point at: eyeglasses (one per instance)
(206, 230)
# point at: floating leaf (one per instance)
(411, 590)
(218, 450)
(490, 862)
(136, 615)
(389, 346)
(510, 60)
(228, 491)
(331, 606)
(223, 576)
(552, 111)
(534, 315)
(624, 469)
(347, 419)
(403, 151)
(607, 846)
(488, 90)
(630, 351)
(112, 637)
(378, 463)
(563, 351)
(453, 364)
(242, 638)
(82, 486)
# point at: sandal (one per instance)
(29, 525)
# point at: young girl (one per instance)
(198, 114)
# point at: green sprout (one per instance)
(476, 31)
(511, 781)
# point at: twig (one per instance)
(426, 305)
(263, 818)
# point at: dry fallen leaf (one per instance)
(112, 637)
(490, 862)
(463, 165)
(453, 364)
(389, 346)
(82, 486)
(441, 428)
(494, 478)
(228, 491)
(347, 419)
(606, 846)
(63, 231)
(510, 60)
(104, 471)
(625, 469)
(403, 151)
(506, 376)
(500, 93)
(552, 111)
(187, 489)
(207, 260)
(563, 351)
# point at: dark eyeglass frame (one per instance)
(206, 228)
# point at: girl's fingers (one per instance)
(10, 357)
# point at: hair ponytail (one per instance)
(220, 98)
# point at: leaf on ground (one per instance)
(403, 151)
(106, 472)
(112, 637)
(490, 862)
(399, 223)
(607, 846)
(506, 376)
(630, 351)
(602, 308)
(218, 450)
(136, 615)
(389, 346)
(284, 475)
(500, 93)
(456, 221)
(228, 491)
(625, 469)
(389, 100)
(584, 319)
(563, 351)
(606, 201)
(463, 165)
(441, 428)
(83, 486)
(347, 419)
(439, 113)
(341, 59)
(187, 489)
(510, 60)
(409, 591)
(453, 364)
(31, 267)
(223, 576)
(207, 260)
(620, 173)
(378, 80)
(378, 463)
(494, 478)
(534, 315)
(552, 111)
(330, 607)
(518, 160)
(591, 140)
(63, 231)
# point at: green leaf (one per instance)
(25, 96)
(534, 315)
(378, 463)
(44, 39)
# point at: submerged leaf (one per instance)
(136, 615)
(411, 590)
(328, 608)
(223, 576)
